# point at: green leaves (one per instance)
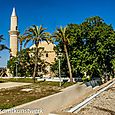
(36, 35)
(91, 47)
(2, 46)
(99, 41)
(24, 66)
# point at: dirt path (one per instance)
(104, 104)
(12, 84)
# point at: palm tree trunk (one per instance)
(34, 73)
(68, 62)
(36, 61)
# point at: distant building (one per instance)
(49, 54)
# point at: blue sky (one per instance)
(51, 14)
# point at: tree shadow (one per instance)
(106, 110)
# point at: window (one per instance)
(55, 59)
(16, 27)
(46, 54)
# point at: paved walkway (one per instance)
(12, 84)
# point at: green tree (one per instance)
(24, 64)
(36, 35)
(61, 35)
(21, 39)
(92, 45)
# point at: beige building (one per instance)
(49, 54)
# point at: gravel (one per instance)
(104, 104)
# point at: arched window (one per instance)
(46, 54)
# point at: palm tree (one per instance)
(36, 35)
(2, 46)
(21, 38)
(61, 34)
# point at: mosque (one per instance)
(49, 54)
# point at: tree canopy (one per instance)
(36, 34)
(91, 48)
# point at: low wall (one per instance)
(55, 102)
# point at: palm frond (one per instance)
(3, 47)
(36, 34)
(27, 40)
(1, 38)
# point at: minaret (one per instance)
(14, 34)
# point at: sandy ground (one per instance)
(104, 104)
